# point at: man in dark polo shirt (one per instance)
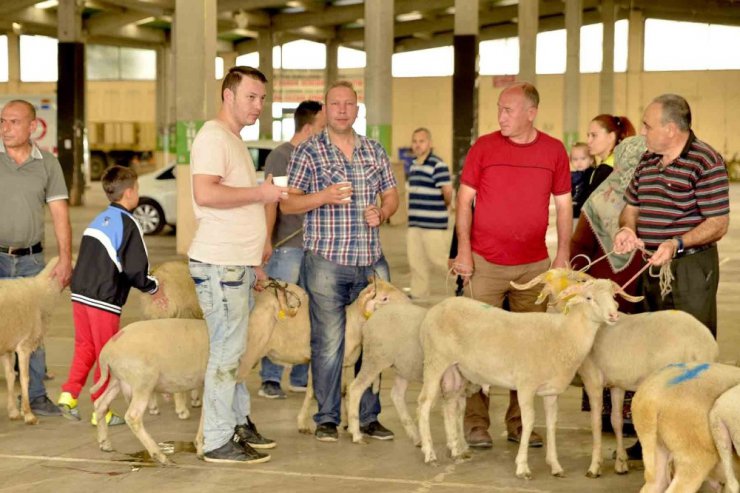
(30, 178)
(677, 207)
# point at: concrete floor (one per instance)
(63, 456)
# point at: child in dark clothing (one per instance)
(581, 167)
(112, 259)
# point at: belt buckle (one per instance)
(12, 250)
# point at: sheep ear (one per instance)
(618, 290)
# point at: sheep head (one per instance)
(598, 294)
(555, 281)
(378, 293)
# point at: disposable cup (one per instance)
(280, 181)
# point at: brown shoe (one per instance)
(535, 440)
(479, 438)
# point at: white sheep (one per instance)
(169, 355)
(626, 353)
(725, 427)
(534, 353)
(671, 411)
(26, 305)
(390, 338)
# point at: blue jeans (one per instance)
(225, 296)
(331, 287)
(28, 266)
(284, 265)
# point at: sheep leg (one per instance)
(101, 405)
(13, 413)
(551, 418)
(153, 404)
(181, 405)
(595, 390)
(723, 440)
(428, 395)
(304, 424)
(195, 398)
(23, 360)
(354, 395)
(461, 403)
(620, 465)
(691, 471)
(398, 396)
(199, 438)
(134, 420)
(654, 456)
(456, 443)
(526, 403)
(347, 376)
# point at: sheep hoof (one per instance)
(593, 475)
(463, 457)
(106, 446)
(195, 403)
(184, 414)
(523, 472)
(304, 430)
(621, 467)
(559, 474)
(163, 460)
(30, 419)
(14, 416)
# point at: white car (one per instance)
(158, 190)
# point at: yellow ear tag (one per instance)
(367, 315)
(281, 315)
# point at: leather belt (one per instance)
(20, 252)
(693, 250)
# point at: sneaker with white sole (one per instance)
(235, 451)
(68, 405)
(271, 390)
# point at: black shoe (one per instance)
(248, 433)
(236, 452)
(327, 432)
(43, 406)
(377, 431)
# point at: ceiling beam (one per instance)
(151, 8)
(11, 6)
(103, 23)
(227, 5)
(32, 15)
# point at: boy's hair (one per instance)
(235, 75)
(306, 113)
(115, 180)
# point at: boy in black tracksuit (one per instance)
(112, 259)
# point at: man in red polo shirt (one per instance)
(510, 176)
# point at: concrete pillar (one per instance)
(331, 73)
(166, 110)
(195, 89)
(229, 58)
(572, 82)
(606, 78)
(265, 44)
(635, 65)
(14, 62)
(528, 26)
(379, 20)
(464, 82)
(71, 98)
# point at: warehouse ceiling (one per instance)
(419, 24)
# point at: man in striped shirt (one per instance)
(430, 194)
(677, 208)
(336, 178)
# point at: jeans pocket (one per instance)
(203, 290)
(233, 277)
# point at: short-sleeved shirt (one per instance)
(285, 224)
(513, 184)
(675, 199)
(427, 208)
(25, 189)
(234, 236)
(339, 233)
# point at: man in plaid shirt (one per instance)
(335, 178)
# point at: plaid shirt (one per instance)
(339, 233)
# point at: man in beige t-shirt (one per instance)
(225, 259)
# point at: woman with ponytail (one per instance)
(605, 132)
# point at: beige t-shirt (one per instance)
(233, 236)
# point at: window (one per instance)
(38, 59)
(119, 63)
(249, 59)
(499, 56)
(302, 54)
(350, 58)
(219, 68)
(4, 56)
(434, 62)
(671, 45)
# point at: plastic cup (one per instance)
(346, 185)
(280, 181)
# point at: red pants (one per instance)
(93, 328)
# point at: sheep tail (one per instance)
(103, 365)
(376, 385)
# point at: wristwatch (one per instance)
(679, 248)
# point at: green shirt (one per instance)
(24, 190)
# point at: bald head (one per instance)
(17, 124)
